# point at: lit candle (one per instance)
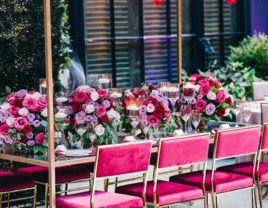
(61, 99)
(133, 107)
(163, 89)
(104, 81)
(116, 95)
(60, 115)
(172, 89)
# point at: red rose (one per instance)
(102, 93)
(229, 100)
(140, 92)
(72, 122)
(77, 106)
(231, 1)
(157, 113)
(23, 139)
(17, 103)
(151, 100)
(215, 84)
(81, 97)
(151, 87)
(221, 112)
(105, 119)
(27, 129)
(161, 108)
(158, 2)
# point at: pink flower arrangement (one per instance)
(93, 107)
(23, 120)
(211, 99)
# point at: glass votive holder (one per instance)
(43, 87)
(62, 112)
(188, 89)
(61, 99)
(116, 93)
(162, 87)
(105, 81)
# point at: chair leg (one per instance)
(192, 168)
(213, 200)
(35, 191)
(207, 200)
(260, 194)
(0, 200)
(217, 201)
(8, 197)
(255, 196)
(252, 198)
(66, 188)
(46, 194)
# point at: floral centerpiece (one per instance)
(96, 108)
(211, 99)
(153, 108)
(23, 121)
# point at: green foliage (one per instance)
(22, 52)
(253, 53)
(237, 80)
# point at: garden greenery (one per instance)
(22, 51)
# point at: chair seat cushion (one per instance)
(166, 192)
(222, 181)
(101, 200)
(63, 174)
(12, 182)
(246, 169)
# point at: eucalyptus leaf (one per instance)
(8, 89)
(44, 123)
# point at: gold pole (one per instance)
(50, 115)
(179, 43)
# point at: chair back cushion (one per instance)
(258, 89)
(235, 142)
(113, 160)
(183, 151)
(265, 138)
(264, 112)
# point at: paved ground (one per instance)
(241, 199)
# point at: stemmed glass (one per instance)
(81, 129)
(236, 108)
(172, 93)
(189, 91)
(246, 112)
(133, 114)
(186, 113)
(196, 119)
(92, 137)
(145, 130)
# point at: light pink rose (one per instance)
(220, 96)
(39, 139)
(94, 96)
(100, 111)
(99, 130)
(150, 108)
(20, 122)
(89, 109)
(30, 104)
(42, 101)
(211, 95)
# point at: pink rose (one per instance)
(203, 82)
(81, 97)
(20, 122)
(4, 129)
(42, 101)
(152, 120)
(13, 111)
(102, 93)
(204, 89)
(151, 100)
(200, 105)
(31, 92)
(39, 139)
(100, 111)
(30, 104)
(10, 98)
(220, 96)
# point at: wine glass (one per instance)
(188, 91)
(92, 137)
(186, 113)
(172, 93)
(116, 93)
(236, 108)
(133, 113)
(81, 129)
(246, 112)
(145, 130)
(196, 119)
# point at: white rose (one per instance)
(4, 107)
(99, 130)
(111, 113)
(150, 108)
(84, 88)
(227, 111)
(36, 95)
(23, 112)
(197, 87)
(94, 96)
(231, 85)
(44, 112)
(117, 116)
(211, 95)
(89, 109)
(155, 92)
(10, 121)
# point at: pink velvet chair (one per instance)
(261, 172)
(12, 183)
(174, 153)
(228, 143)
(258, 89)
(113, 161)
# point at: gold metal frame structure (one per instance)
(214, 196)
(95, 178)
(166, 171)
(13, 200)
